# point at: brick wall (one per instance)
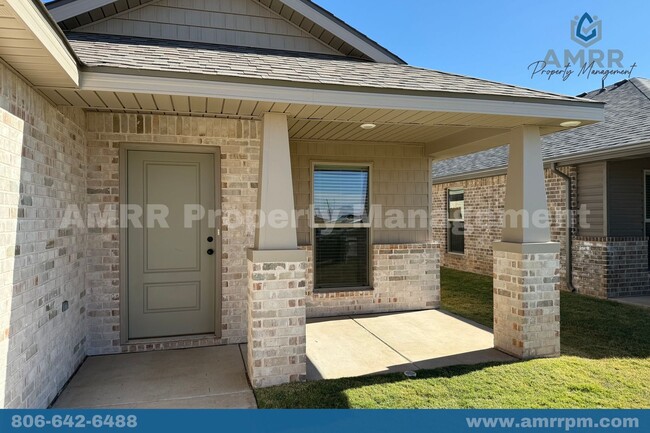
(609, 267)
(404, 277)
(42, 264)
(484, 201)
(239, 142)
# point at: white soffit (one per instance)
(34, 47)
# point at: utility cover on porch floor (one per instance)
(386, 343)
(204, 378)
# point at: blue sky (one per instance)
(499, 39)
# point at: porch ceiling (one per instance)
(33, 47)
(436, 129)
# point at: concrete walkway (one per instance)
(639, 301)
(376, 344)
(205, 378)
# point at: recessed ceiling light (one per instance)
(368, 126)
(570, 123)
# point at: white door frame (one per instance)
(123, 249)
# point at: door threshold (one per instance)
(159, 340)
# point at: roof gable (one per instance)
(294, 25)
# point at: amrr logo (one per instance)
(586, 30)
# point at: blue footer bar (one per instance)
(326, 421)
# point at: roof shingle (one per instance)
(126, 52)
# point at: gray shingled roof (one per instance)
(125, 52)
(627, 122)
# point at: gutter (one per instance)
(569, 224)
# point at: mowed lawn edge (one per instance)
(605, 346)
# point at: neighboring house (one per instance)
(117, 115)
(609, 167)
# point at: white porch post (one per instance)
(526, 262)
(276, 269)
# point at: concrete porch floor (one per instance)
(203, 378)
(215, 377)
(385, 343)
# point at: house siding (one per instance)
(229, 22)
(239, 143)
(400, 181)
(625, 197)
(592, 194)
(42, 263)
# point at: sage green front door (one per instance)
(172, 253)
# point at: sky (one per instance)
(499, 39)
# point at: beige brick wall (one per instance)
(400, 180)
(239, 142)
(42, 160)
(277, 341)
(484, 201)
(405, 277)
(526, 304)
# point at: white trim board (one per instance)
(74, 8)
(355, 97)
(360, 43)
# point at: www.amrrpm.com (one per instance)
(559, 423)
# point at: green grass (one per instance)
(605, 364)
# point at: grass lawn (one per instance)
(605, 364)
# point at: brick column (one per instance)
(526, 263)
(527, 301)
(276, 317)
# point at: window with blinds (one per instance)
(456, 221)
(341, 227)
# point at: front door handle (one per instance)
(210, 252)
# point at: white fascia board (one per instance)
(74, 8)
(34, 21)
(338, 30)
(354, 98)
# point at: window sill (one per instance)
(451, 253)
(346, 290)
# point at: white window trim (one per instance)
(450, 220)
